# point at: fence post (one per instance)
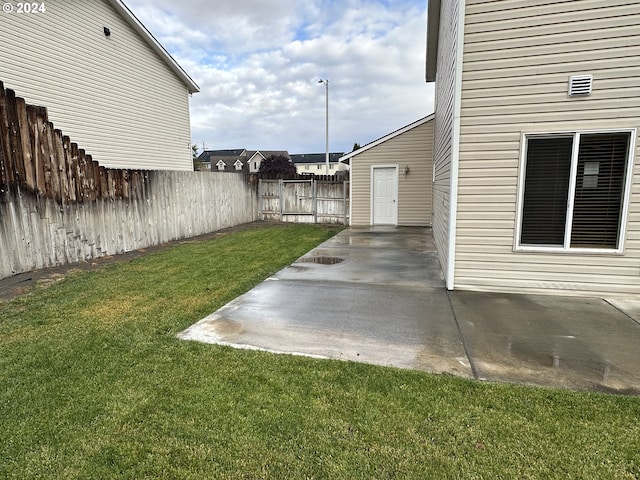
(344, 199)
(314, 193)
(260, 200)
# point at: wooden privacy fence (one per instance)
(58, 206)
(38, 158)
(304, 200)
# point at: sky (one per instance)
(258, 63)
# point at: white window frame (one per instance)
(566, 248)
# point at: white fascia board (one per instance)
(137, 25)
(387, 137)
(258, 152)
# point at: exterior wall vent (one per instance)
(580, 85)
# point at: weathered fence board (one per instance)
(37, 232)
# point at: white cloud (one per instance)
(258, 63)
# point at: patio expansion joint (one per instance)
(474, 371)
(633, 319)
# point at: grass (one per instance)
(95, 384)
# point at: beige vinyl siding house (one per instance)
(515, 113)
(120, 96)
(406, 155)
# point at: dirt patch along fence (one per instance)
(59, 206)
(304, 200)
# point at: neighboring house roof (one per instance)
(237, 164)
(240, 152)
(154, 44)
(315, 157)
(207, 155)
(229, 162)
(231, 157)
(389, 136)
(267, 153)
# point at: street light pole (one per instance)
(326, 145)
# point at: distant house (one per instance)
(315, 163)
(256, 157)
(233, 160)
(391, 177)
(536, 186)
(105, 80)
(236, 160)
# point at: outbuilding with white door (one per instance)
(391, 178)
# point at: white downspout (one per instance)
(455, 150)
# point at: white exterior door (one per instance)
(384, 181)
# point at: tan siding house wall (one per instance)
(360, 176)
(518, 56)
(414, 149)
(114, 96)
(444, 123)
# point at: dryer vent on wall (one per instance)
(580, 85)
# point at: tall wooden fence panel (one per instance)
(58, 206)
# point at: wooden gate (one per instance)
(304, 201)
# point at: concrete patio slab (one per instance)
(375, 296)
(349, 322)
(378, 296)
(576, 343)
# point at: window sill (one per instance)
(570, 251)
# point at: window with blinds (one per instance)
(546, 189)
(574, 190)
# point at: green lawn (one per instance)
(95, 384)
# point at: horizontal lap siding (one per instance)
(413, 148)
(518, 56)
(360, 193)
(114, 96)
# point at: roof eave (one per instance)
(433, 29)
(154, 44)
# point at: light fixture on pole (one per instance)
(326, 146)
